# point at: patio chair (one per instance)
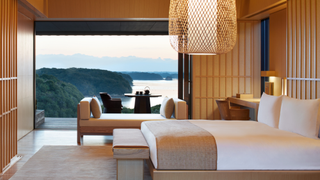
(111, 105)
(231, 113)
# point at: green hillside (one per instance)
(57, 98)
(92, 81)
(127, 77)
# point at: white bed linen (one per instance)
(151, 140)
(250, 145)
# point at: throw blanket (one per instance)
(183, 145)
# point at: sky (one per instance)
(112, 46)
(129, 63)
(55, 51)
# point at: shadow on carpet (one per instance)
(71, 162)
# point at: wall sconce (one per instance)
(268, 73)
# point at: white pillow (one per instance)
(166, 108)
(95, 107)
(269, 110)
(300, 116)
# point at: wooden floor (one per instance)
(59, 124)
(31, 143)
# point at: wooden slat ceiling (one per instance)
(101, 27)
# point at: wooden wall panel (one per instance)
(108, 8)
(278, 41)
(8, 79)
(222, 76)
(25, 58)
(303, 38)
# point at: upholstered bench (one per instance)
(130, 149)
(87, 124)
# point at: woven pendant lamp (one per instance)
(202, 26)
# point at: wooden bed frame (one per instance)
(231, 175)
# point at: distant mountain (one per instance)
(57, 98)
(92, 81)
(166, 74)
(144, 76)
(130, 63)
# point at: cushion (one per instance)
(95, 107)
(269, 110)
(180, 109)
(85, 108)
(166, 108)
(300, 116)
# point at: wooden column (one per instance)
(186, 78)
(8, 82)
(180, 76)
(187, 81)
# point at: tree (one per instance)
(92, 81)
(57, 98)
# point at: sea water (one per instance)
(162, 87)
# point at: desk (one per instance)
(251, 103)
(142, 102)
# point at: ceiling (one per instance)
(101, 28)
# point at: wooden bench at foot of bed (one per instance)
(130, 149)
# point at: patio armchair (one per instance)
(111, 105)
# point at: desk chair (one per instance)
(231, 113)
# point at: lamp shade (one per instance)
(202, 26)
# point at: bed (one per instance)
(269, 149)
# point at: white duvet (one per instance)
(250, 145)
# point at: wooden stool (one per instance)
(130, 149)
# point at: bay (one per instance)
(163, 87)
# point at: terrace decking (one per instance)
(59, 124)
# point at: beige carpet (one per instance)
(71, 162)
